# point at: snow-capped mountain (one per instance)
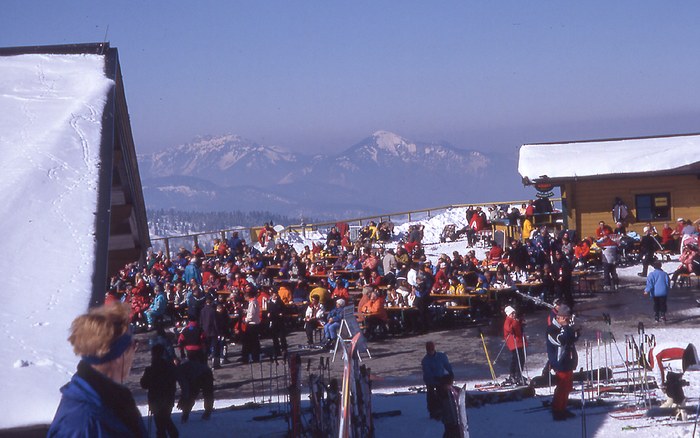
(382, 173)
(225, 160)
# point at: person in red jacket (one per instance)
(192, 342)
(478, 220)
(515, 341)
(602, 230)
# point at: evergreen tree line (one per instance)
(172, 222)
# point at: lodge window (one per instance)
(653, 207)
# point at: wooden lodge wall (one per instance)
(586, 202)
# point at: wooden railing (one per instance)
(250, 233)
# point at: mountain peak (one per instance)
(392, 143)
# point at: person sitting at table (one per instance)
(352, 263)
(441, 283)
(501, 280)
(394, 298)
(456, 287)
(301, 292)
(403, 289)
(333, 239)
(313, 318)
(340, 262)
(602, 230)
(493, 257)
(334, 318)
(376, 280)
(375, 316)
(340, 291)
(285, 293)
(364, 280)
(321, 291)
(364, 299)
(582, 253)
(517, 274)
(484, 282)
(403, 261)
(317, 268)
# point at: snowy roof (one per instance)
(607, 157)
(60, 112)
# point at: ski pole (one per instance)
(501, 350)
(605, 349)
(598, 350)
(252, 380)
(583, 409)
(488, 359)
(525, 356)
(588, 374)
(269, 400)
(695, 424)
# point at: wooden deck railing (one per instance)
(250, 233)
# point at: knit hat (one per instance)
(564, 310)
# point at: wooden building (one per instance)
(658, 179)
(121, 229)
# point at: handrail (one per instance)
(315, 226)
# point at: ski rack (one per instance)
(348, 330)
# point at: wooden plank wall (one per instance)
(591, 201)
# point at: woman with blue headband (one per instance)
(95, 402)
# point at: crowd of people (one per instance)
(237, 292)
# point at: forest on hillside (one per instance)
(171, 222)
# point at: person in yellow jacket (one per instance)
(527, 228)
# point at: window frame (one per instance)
(654, 211)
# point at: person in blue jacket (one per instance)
(192, 272)
(95, 403)
(437, 374)
(158, 307)
(657, 287)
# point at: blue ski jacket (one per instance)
(82, 413)
(658, 283)
(435, 368)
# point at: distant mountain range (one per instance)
(383, 173)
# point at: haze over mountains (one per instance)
(382, 173)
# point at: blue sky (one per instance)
(316, 76)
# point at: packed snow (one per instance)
(620, 156)
(49, 136)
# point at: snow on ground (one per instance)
(49, 137)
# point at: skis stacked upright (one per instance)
(458, 404)
(345, 422)
(364, 400)
(295, 395)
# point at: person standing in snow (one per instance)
(160, 379)
(437, 375)
(657, 287)
(563, 359)
(515, 341)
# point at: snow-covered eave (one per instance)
(609, 158)
(686, 170)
